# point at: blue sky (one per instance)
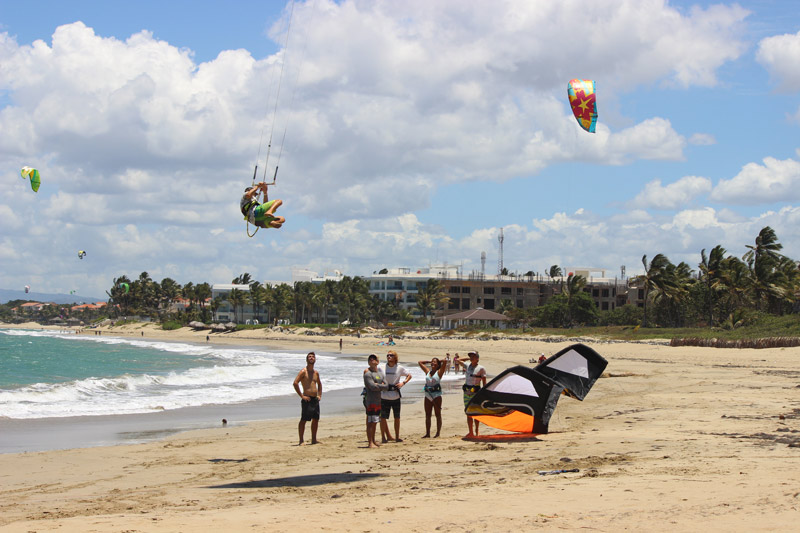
(413, 133)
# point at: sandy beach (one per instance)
(670, 439)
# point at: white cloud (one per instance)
(702, 139)
(774, 181)
(144, 153)
(672, 196)
(780, 55)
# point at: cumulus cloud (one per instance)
(780, 55)
(774, 181)
(389, 101)
(673, 196)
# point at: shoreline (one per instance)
(88, 431)
(673, 437)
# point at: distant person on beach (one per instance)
(447, 363)
(340, 344)
(475, 378)
(542, 359)
(433, 393)
(373, 385)
(456, 363)
(260, 214)
(390, 399)
(310, 396)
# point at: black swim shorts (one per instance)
(309, 410)
(388, 406)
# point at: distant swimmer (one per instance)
(260, 214)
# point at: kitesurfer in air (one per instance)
(260, 214)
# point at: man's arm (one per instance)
(319, 385)
(408, 378)
(263, 188)
(297, 382)
(252, 191)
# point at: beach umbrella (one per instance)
(196, 325)
(230, 325)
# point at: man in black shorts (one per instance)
(309, 397)
(390, 400)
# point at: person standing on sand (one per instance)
(374, 385)
(390, 399)
(310, 397)
(433, 393)
(475, 378)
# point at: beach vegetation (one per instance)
(755, 294)
(171, 325)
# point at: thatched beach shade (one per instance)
(230, 325)
(197, 325)
(217, 327)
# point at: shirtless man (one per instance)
(309, 397)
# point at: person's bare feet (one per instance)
(427, 436)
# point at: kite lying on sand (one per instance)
(522, 399)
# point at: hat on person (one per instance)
(372, 356)
(476, 354)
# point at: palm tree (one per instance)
(202, 293)
(236, 298)
(762, 259)
(431, 297)
(258, 296)
(711, 275)
(654, 277)
(243, 279)
(216, 303)
(574, 285)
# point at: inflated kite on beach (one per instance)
(522, 399)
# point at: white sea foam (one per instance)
(221, 375)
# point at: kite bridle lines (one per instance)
(274, 117)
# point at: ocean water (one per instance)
(45, 373)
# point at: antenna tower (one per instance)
(500, 260)
(483, 265)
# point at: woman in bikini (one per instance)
(433, 393)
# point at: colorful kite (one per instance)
(81, 254)
(522, 399)
(583, 100)
(33, 175)
(27, 289)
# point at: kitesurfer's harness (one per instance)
(472, 389)
(432, 388)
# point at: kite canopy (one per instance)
(125, 287)
(522, 399)
(575, 368)
(81, 254)
(33, 175)
(27, 289)
(583, 100)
